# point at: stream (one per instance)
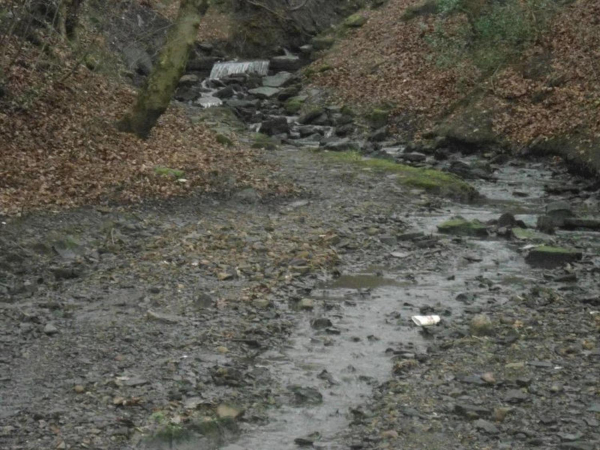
(366, 314)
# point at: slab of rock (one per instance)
(341, 145)
(590, 224)
(311, 116)
(277, 80)
(225, 411)
(486, 427)
(471, 411)
(550, 257)
(189, 80)
(275, 125)
(515, 396)
(164, 318)
(264, 92)
(306, 395)
(50, 329)
(289, 63)
(459, 226)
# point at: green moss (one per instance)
(378, 117)
(460, 226)
(433, 181)
(355, 21)
(429, 7)
(168, 172)
(556, 250)
(224, 140)
(323, 42)
(264, 142)
(294, 105)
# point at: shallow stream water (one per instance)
(370, 313)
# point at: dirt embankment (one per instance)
(546, 99)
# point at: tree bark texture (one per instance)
(155, 96)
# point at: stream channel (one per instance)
(357, 326)
(361, 322)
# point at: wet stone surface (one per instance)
(273, 324)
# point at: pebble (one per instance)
(50, 329)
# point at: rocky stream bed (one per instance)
(248, 323)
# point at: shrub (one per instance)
(491, 33)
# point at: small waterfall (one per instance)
(224, 69)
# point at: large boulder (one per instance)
(549, 257)
(289, 63)
(275, 125)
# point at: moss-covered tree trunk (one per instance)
(155, 96)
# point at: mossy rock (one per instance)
(550, 257)
(431, 180)
(168, 172)
(427, 8)
(264, 142)
(323, 42)
(378, 117)
(527, 234)
(355, 21)
(224, 140)
(294, 105)
(347, 111)
(459, 226)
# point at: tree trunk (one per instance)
(155, 96)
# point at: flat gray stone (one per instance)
(278, 80)
(264, 92)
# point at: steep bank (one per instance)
(544, 100)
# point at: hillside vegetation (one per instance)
(516, 74)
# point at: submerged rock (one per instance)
(459, 226)
(550, 257)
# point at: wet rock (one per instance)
(589, 224)
(515, 396)
(50, 329)
(556, 215)
(550, 257)
(507, 220)
(499, 414)
(306, 303)
(344, 130)
(380, 135)
(471, 411)
(189, 80)
(308, 440)
(225, 411)
(264, 92)
(306, 395)
(201, 63)
(289, 63)
(413, 157)
(226, 92)
(275, 125)
(481, 325)
(321, 323)
(388, 240)
(311, 116)
(523, 234)
(486, 427)
(341, 145)
(277, 80)
(460, 226)
(204, 301)
(164, 318)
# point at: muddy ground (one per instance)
(247, 323)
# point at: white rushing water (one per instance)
(224, 69)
